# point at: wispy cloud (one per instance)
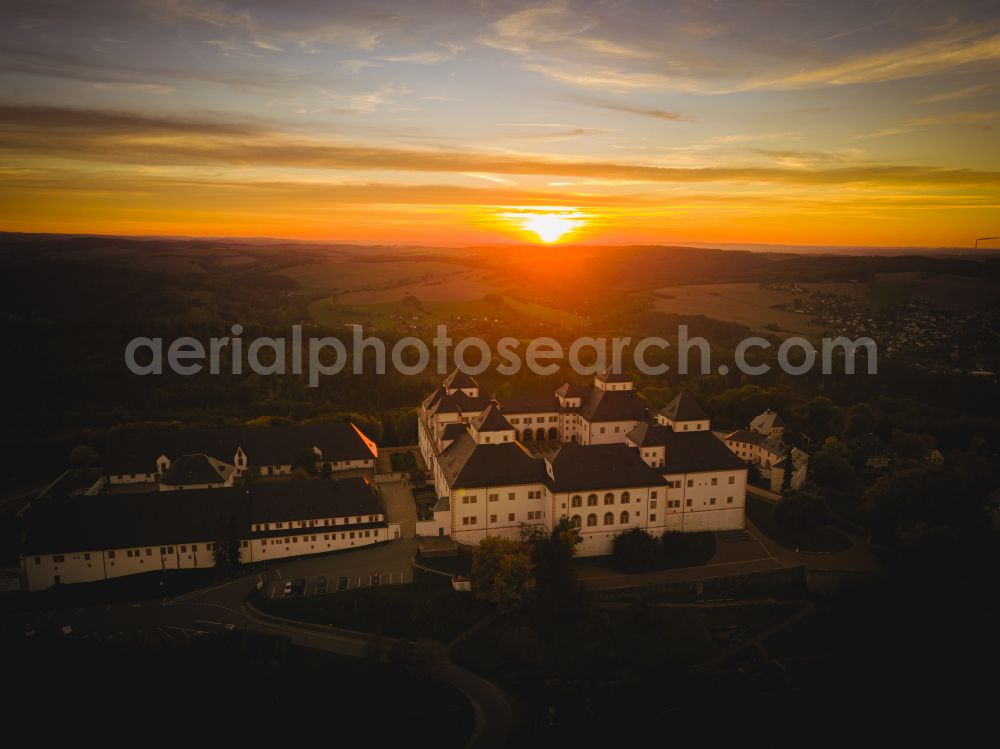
(659, 114)
(952, 95)
(126, 138)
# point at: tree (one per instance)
(552, 553)
(502, 573)
(799, 511)
(635, 550)
(821, 416)
(426, 657)
(306, 462)
(830, 469)
(83, 456)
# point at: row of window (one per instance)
(471, 499)
(609, 499)
(537, 420)
(511, 517)
(609, 519)
(326, 537)
(314, 523)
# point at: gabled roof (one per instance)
(748, 436)
(491, 420)
(572, 390)
(694, 452)
(467, 465)
(767, 421)
(458, 380)
(650, 435)
(453, 430)
(120, 521)
(531, 404)
(684, 408)
(137, 452)
(593, 467)
(304, 500)
(612, 405)
(608, 375)
(195, 469)
(458, 402)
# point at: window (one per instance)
(591, 520)
(732, 479)
(510, 495)
(711, 501)
(494, 497)
(129, 553)
(184, 549)
(577, 501)
(729, 500)
(652, 495)
(689, 503)
(609, 518)
(591, 500)
(623, 518)
(510, 517)
(609, 498)
(690, 483)
(86, 557)
(575, 521)
(111, 555)
(469, 500)
(652, 518)
(602, 430)
(57, 558)
(715, 481)
(493, 518)
(533, 495)
(38, 560)
(626, 498)
(652, 505)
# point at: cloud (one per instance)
(920, 59)
(110, 137)
(960, 93)
(659, 114)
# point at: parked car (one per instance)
(299, 586)
(376, 578)
(288, 588)
(321, 586)
(342, 583)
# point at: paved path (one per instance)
(399, 506)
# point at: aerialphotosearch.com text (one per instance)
(319, 357)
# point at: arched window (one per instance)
(591, 500)
(626, 498)
(609, 518)
(577, 501)
(526, 435)
(609, 498)
(553, 433)
(575, 521)
(591, 520)
(540, 433)
(624, 517)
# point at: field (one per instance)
(745, 303)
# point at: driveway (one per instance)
(399, 506)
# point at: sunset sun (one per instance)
(549, 224)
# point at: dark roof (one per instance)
(303, 500)
(612, 405)
(122, 521)
(467, 465)
(458, 402)
(453, 430)
(684, 408)
(608, 375)
(531, 404)
(458, 380)
(768, 420)
(491, 420)
(748, 436)
(650, 435)
(592, 467)
(693, 452)
(572, 390)
(136, 452)
(192, 469)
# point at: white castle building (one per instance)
(607, 464)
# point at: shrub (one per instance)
(635, 550)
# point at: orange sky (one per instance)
(604, 122)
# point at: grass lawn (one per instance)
(820, 539)
(426, 608)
